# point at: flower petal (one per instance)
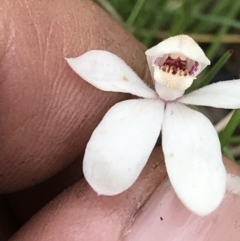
(224, 94)
(108, 72)
(121, 145)
(193, 158)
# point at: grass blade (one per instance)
(134, 13)
(212, 72)
(230, 128)
(227, 153)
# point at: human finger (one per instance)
(47, 112)
(166, 217)
(79, 214)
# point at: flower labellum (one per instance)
(123, 141)
(174, 64)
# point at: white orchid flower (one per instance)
(123, 141)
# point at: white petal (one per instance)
(108, 72)
(121, 145)
(193, 158)
(225, 94)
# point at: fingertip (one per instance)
(164, 212)
(48, 114)
(82, 214)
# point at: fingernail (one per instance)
(165, 217)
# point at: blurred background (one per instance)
(214, 24)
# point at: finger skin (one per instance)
(47, 112)
(150, 210)
(79, 214)
(165, 216)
